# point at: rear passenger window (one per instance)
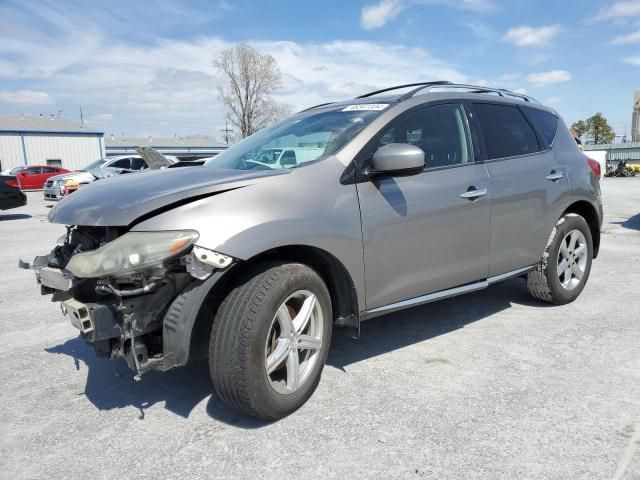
(440, 131)
(138, 164)
(506, 131)
(545, 122)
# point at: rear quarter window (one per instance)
(545, 122)
(506, 131)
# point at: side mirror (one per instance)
(398, 159)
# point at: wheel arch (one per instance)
(590, 214)
(342, 290)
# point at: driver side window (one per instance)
(441, 131)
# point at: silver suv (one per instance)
(395, 199)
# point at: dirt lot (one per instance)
(489, 385)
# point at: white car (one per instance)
(102, 168)
(12, 171)
(276, 158)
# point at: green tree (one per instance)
(599, 129)
(580, 127)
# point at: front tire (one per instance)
(270, 340)
(564, 269)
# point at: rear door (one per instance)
(48, 172)
(424, 233)
(138, 164)
(528, 185)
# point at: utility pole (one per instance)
(81, 117)
(227, 132)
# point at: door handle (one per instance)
(472, 193)
(555, 176)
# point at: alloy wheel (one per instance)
(572, 259)
(294, 341)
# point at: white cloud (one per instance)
(548, 78)
(26, 97)
(526, 36)
(633, 60)
(521, 91)
(377, 15)
(132, 83)
(621, 10)
(633, 37)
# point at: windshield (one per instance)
(297, 140)
(93, 165)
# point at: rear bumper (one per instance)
(14, 200)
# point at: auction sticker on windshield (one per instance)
(365, 106)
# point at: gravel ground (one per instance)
(488, 385)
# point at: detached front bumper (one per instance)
(151, 319)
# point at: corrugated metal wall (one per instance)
(75, 151)
(10, 151)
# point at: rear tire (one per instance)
(270, 340)
(564, 269)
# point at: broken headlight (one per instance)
(130, 252)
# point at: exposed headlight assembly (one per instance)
(130, 252)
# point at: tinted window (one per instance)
(49, 170)
(122, 163)
(506, 131)
(545, 122)
(33, 170)
(138, 164)
(441, 131)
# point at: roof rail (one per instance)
(502, 92)
(316, 106)
(419, 84)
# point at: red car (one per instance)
(34, 176)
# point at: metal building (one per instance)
(183, 148)
(42, 140)
(615, 152)
(635, 119)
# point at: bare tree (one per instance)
(250, 78)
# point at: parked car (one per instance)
(415, 197)
(12, 172)
(102, 168)
(34, 177)
(10, 194)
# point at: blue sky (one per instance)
(144, 68)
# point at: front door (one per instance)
(426, 233)
(30, 178)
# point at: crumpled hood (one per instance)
(120, 200)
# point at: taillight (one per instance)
(595, 167)
(12, 183)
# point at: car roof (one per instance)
(436, 90)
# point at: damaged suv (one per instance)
(397, 198)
